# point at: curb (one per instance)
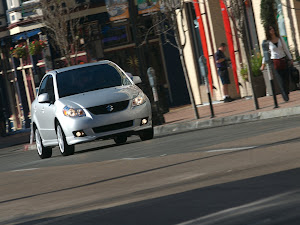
(192, 125)
(223, 121)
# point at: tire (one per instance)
(64, 148)
(120, 139)
(147, 134)
(43, 152)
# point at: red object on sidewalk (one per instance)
(203, 41)
(230, 43)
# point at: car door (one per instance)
(45, 112)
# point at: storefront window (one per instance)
(114, 36)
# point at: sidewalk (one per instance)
(242, 110)
(183, 118)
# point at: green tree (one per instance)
(268, 14)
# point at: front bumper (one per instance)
(102, 126)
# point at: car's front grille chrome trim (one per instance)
(111, 127)
(109, 108)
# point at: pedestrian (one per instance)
(281, 58)
(222, 64)
(2, 122)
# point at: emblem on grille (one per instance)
(109, 108)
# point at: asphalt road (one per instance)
(239, 174)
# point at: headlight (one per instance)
(139, 100)
(70, 112)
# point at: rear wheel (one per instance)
(147, 134)
(120, 140)
(64, 148)
(43, 151)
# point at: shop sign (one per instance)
(117, 9)
(148, 6)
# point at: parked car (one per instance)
(86, 102)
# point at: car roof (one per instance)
(80, 66)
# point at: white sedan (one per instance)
(87, 102)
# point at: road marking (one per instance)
(232, 149)
(24, 170)
(133, 158)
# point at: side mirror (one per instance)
(136, 79)
(43, 98)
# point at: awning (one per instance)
(25, 35)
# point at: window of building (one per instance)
(113, 35)
(13, 18)
(146, 27)
(28, 12)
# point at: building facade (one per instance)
(100, 37)
(215, 33)
(109, 34)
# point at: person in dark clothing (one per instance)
(2, 121)
(222, 65)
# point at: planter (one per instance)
(36, 47)
(259, 86)
(19, 51)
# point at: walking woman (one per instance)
(281, 58)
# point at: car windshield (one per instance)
(90, 78)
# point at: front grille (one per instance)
(114, 126)
(109, 108)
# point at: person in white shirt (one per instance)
(281, 58)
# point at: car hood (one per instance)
(101, 97)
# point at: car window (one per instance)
(50, 89)
(47, 87)
(90, 78)
(43, 85)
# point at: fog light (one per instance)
(144, 121)
(79, 133)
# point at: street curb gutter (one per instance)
(191, 125)
(216, 122)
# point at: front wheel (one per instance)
(43, 151)
(64, 148)
(147, 134)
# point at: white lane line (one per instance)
(21, 170)
(232, 149)
(133, 158)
